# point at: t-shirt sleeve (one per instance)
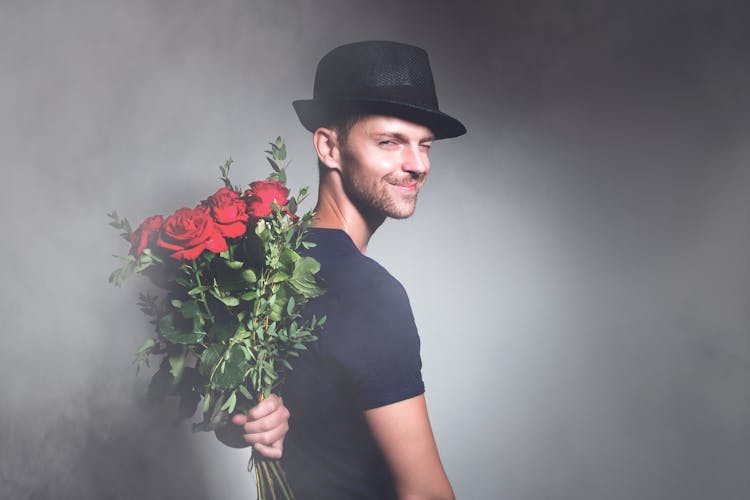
(379, 351)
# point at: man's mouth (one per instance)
(409, 187)
(409, 184)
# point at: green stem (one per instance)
(258, 482)
(262, 280)
(270, 479)
(203, 300)
(281, 479)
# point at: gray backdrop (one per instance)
(578, 264)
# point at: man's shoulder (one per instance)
(345, 268)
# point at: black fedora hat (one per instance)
(376, 77)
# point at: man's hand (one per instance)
(264, 426)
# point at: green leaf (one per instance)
(230, 403)
(274, 165)
(271, 330)
(282, 176)
(121, 224)
(234, 264)
(119, 276)
(228, 300)
(224, 329)
(246, 393)
(190, 309)
(278, 304)
(247, 352)
(303, 278)
(170, 332)
(231, 372)
(177, 364)
(209, 358)
(249, 276)
(290, 306)
(142, 265)
(229, 279)
(146, 346)
(292, 205)
(197, 290)
(279, 276)
(288, 256)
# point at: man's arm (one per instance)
(403, 432)
(264, 427)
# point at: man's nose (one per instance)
(416, 160)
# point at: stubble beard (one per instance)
(380, 199)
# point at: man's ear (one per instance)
(327, 146)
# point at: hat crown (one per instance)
(376, 70)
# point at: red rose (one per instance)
(262, 193)
(228, 211)
(188, 232)
(145, 234)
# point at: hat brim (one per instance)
(315, 113)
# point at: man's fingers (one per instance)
(266, 437)
(239, 419)
(279, 418)
(265, 425)
(265, 407)
(268, 406)
(273, 451)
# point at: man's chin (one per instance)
(403, 213)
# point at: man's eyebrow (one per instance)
(401, 137)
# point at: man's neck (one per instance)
(333, 214)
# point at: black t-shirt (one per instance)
(367, 356)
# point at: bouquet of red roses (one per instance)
(231, 289)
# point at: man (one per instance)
(359, 426)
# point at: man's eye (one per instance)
(387, 142)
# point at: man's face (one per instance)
(384, 163)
